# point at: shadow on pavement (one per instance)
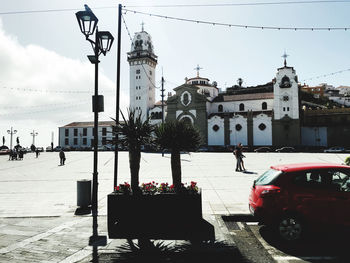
(332, 246)
(168, 252)
(249, 172)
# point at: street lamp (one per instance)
(102, 44)
(11, 132)
(34, 134)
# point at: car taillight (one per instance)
(270, 192)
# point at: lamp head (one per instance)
(105, 41)
(87, 22)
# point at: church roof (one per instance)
(159, 103)
(246, 93)
(186, 86)
(86, 124)
(256, 96)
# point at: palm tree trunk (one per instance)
(176, 168)
(134, 162)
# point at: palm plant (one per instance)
(177, 136)
(133, 133)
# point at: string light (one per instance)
(245, 4)
(185, 5)
(42, 111)
(51, 10)
(45, 105)
(52, 91)
(326, 75)
(237, 25)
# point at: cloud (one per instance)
(43, 90)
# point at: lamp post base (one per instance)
(98, 241)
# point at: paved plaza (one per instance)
(38, 197)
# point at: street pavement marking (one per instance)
(287, 258)
(281, 258)
(81, 254)
(240, 225)
(54, 230)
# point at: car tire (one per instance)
(290, 228)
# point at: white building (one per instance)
(80, 134)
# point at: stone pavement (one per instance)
(38, 197)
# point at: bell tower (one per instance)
(286, 123)
(143, 62)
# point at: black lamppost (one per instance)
(34, 134)
(102, 44)
(11, 132)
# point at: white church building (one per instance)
(256, 116)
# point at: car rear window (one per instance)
(268, 177)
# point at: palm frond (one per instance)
(178, 135)
(133, 131)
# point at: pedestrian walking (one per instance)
(237, 152)
(10, 155)
(62, 157)
(37, 152)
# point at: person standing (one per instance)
(237, 152)
(62, 157)
(37, 152)
(242, 156)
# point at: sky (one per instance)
(46, 80)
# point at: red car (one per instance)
(294, 197)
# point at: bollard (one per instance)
(83, 196)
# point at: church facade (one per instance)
(264, 115)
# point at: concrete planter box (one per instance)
(160, 216)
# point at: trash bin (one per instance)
(83, 193)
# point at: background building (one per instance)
(80, 134)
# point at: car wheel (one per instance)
(290, 228)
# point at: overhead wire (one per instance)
(39, 106)
(326, 75)
(237, 25)
(52, 91)
(51, 10)
(244, 4)
(41, 111)
(179, 5)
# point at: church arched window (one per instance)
(220, 108)
(185, 99)
(264, 106)
(186, 120)
(241, 107)
(285, 82)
